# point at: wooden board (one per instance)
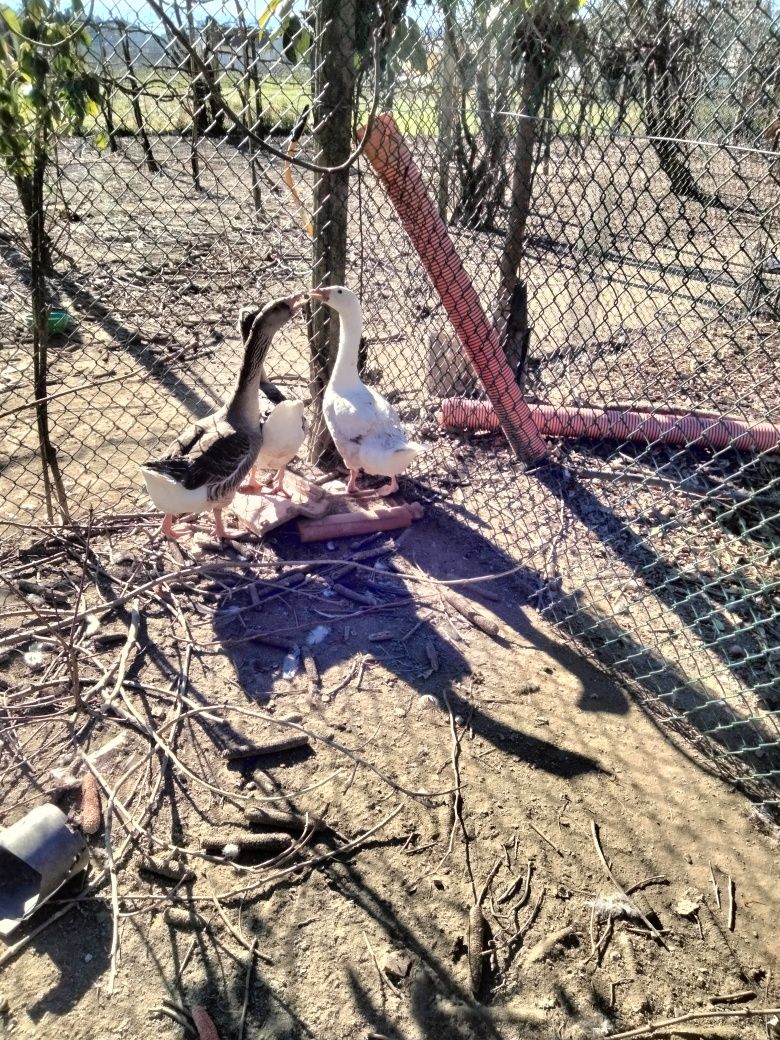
(260, 512)
(347, 516)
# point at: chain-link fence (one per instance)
(608, 176)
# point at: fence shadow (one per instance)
(734, 744)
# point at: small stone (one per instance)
(428, 701)
(87, 958)
(396, 965)
(5, 1007)
(687, 907)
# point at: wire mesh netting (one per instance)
(608, 177)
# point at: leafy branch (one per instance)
(46, 92)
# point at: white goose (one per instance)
(284, 431)
(205, 466)
(365, 428)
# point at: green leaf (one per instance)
(296, 39)
(407, 46)
(101, 142)
(272, 8)
(11, 20)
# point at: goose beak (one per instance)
(296, 302)
(323, 295)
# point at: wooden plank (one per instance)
(359, 520)
(261, 513)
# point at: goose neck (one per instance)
(346, 368)
(243, 405)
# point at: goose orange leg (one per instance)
(169, 530)
(224, 532)
(277, 488)
(252, 483)
(352, 488)
(388, 489)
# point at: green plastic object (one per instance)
(60, 323)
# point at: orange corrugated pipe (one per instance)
(523, 424)
(386, 150)
(612, 424)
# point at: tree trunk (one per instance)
(448, 114)
(216, 121)
(519, 208)
(199, 94)
(333, 89)
(547, 129)
(135, 100)
(256, 94)
(662, 114)
(623, 98)
(39, 267)
(250, 103)
(106, 104)
(28, 196)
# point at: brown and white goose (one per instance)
(207, 464)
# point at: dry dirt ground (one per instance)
(634, 295)
(412, 703)
(678, 593)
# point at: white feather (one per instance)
(170, 497)
(283, 434)
(365, 427)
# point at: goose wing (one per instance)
(362, 413)
(188, 440)
(220, 460)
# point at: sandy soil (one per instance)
(675, 593)
(545, 746)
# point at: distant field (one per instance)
(166, 109)
(165, 106)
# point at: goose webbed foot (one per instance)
(382, 492)
(352, 487)
(388, 489)
(252, 483)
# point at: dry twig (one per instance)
(594, 829)
(249, 965)
(663, 1024)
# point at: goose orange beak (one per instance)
(297, 301)
(323, 295)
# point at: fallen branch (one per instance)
(475, 617)
(315, 860)
(545, 838)
(17, 638)
(546, 946)
(691, 1016)
(270, 747)
(328, 742)
(247, 982)
(594, 829)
